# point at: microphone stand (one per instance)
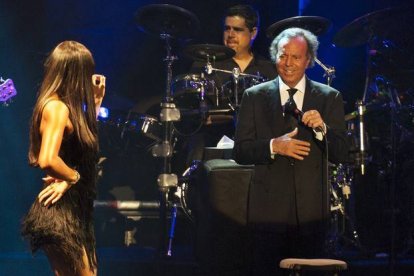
(330, 75)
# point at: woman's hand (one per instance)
(53, 192)
(98, 84)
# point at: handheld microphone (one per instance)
(291, 108)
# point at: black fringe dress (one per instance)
(68, 224)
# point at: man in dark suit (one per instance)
(288, 200)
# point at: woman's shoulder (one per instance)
(55, 106)
(54, 103)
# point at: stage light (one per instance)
(103, 113)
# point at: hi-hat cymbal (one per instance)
(167, 19)
(315, 24)
(202, 52)
(384, 23)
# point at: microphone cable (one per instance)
(291, 107)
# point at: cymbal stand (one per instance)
(362, 155)
(394, 104)
(166, 179)
(210, 69)
(203, 102)
(329, 71)
(393, 133)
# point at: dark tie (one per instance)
(291, 92)
(290, 118)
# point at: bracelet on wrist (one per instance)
(77, 177)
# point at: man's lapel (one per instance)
(276, 118)
(310, 98)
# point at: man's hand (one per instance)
(313, 119)
(287, 146)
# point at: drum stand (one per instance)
(166, 180)
(342, 180)
(329, 71)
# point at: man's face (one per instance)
(236, 34)
(292, 60)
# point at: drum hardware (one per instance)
(202, 108)
(361, 110)
(196, 96)
(315, 24)
(203, 103)
(341, 180)
(167, 22)
(237, 75)
(127, 205)
(146, 125)
(377, 25)
(379, 30)
(192, 84)
(131, 123)
(329, 71)
(208, 52)
(182, 192)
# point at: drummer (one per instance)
(240, 29)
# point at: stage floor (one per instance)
(137, 261)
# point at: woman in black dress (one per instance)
(64, 144)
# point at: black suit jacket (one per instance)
(287, 191)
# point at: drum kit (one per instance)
(382, 121)
(196, 94)
(187, 96)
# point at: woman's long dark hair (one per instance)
(68, 73)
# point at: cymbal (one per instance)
(201, 52)
(382, 23)
(315, 24)
(167, 19)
